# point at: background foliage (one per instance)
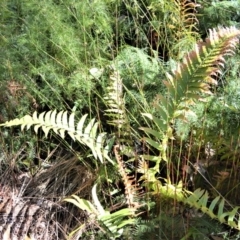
(63, 55)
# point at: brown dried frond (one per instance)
(32, 207)
(131, 185)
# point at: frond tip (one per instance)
(61, 123)
(196, 73)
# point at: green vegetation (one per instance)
(119, 119)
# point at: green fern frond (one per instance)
(191, 81)
(193, 77)
(114, 223)
(62, 123)
(199, 199)
(116, 105)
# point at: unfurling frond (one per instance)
(60, 123)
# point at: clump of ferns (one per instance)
(189, 83)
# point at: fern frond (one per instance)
(131, 186)
(188, 14)
(62, 123)
(199, 199)
(113, 222)
(116, 106)
(193, 77)
(196, 73)
(192, 80)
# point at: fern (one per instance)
(193, 77)
(115, 103)
(61, 123)
(190, 81)
(132, 188)
(188, 13)
(114, 223)
(186, 33)
(118, 118)
(200, 200)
